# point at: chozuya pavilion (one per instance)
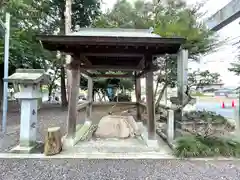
(127, 50)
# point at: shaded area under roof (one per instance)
(116, 48)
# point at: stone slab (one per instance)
(29, 76)
(153, 144)
(37, 148)
(81, 130)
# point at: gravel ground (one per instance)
(117, 169)
(49, 115)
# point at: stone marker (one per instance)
(117, 127)
(53, 144)
(29, 81)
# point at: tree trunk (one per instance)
(63, 88)
(68, 26)
(160, 95)
(50, 88)
(53, 144)
(93, 95)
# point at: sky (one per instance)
(219, 61)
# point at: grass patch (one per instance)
(199, 146)
(198, 94)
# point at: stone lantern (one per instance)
(29, 81)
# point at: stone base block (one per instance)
(37, 148)
(144, 134)
(153, 144)
(67, 142)
(81, 130)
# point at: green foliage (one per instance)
(200, 79)
(170, 19)
(197, 146)
(101, 84)
(126, 84)
(197, 94)
(235, 67)
(29, 18)
(24, 50)
(205, 116)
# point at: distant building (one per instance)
(225, 92)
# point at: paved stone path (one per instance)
(75, 169)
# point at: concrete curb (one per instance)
(88, 156)
(111, 156)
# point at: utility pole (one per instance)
(68, 27)
(5, 85)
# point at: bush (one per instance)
(198, 146)
(205, 116)
(122, 98)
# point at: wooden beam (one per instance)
(85, 60)
(83, 71)
(113, 75)
(113, 55)
(81, 59)
(109, 68)
(141, 63)
(72, 103)
(113, 103)
(146, 70)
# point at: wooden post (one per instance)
(90, 99)
(182, 70)
(138, 97)
(150, 106)
(72, 103)
(53, 144)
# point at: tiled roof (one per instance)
(115, 32)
